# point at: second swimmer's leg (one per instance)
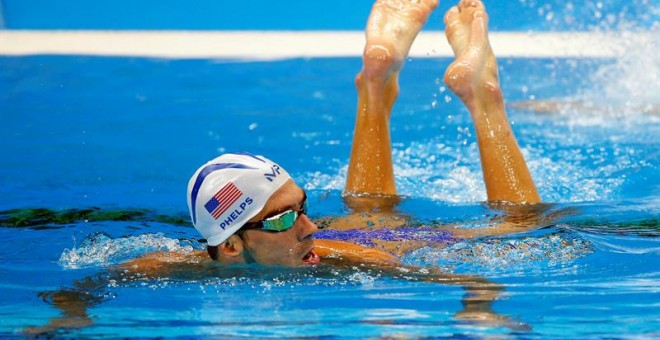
(391, 30)
(473, 77)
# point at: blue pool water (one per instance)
(520, 15)
(125, 134)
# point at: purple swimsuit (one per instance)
(366, 237)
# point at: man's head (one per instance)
(236, 202)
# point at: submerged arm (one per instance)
(480, 294)
(73, 304)
(511, 219)
(90, 291)
(477, 302)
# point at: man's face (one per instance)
(292, 247)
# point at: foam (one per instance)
(100, 249)
(503, 252)
(621, 93)
(452, 173)
(629, 85)
(423, 169)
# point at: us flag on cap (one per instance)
(223, 199)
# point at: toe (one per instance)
(480, 15)
(479, 29)
(479, 5)
(431, 3)
(451, 15)
(470, 3)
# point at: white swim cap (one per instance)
(228, 191)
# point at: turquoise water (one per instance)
(121, 136)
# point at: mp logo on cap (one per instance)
(274, 171)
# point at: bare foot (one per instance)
(473, 75)
(391, 30)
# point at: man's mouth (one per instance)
(311, 258)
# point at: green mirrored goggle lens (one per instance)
(281, 222)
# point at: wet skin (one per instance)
(295, 246)
(292, 247)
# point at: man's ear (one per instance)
(232, 247)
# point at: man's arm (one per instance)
(480, 294)
(73, 303)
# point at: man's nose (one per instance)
(307, 228)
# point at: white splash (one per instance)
(99, 249)
(452, 173)
(503, 253)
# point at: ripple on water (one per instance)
(99, 249)
(504, 253)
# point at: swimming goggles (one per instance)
(279, 222)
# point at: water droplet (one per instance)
(549, 16)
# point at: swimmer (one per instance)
(249, 209)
